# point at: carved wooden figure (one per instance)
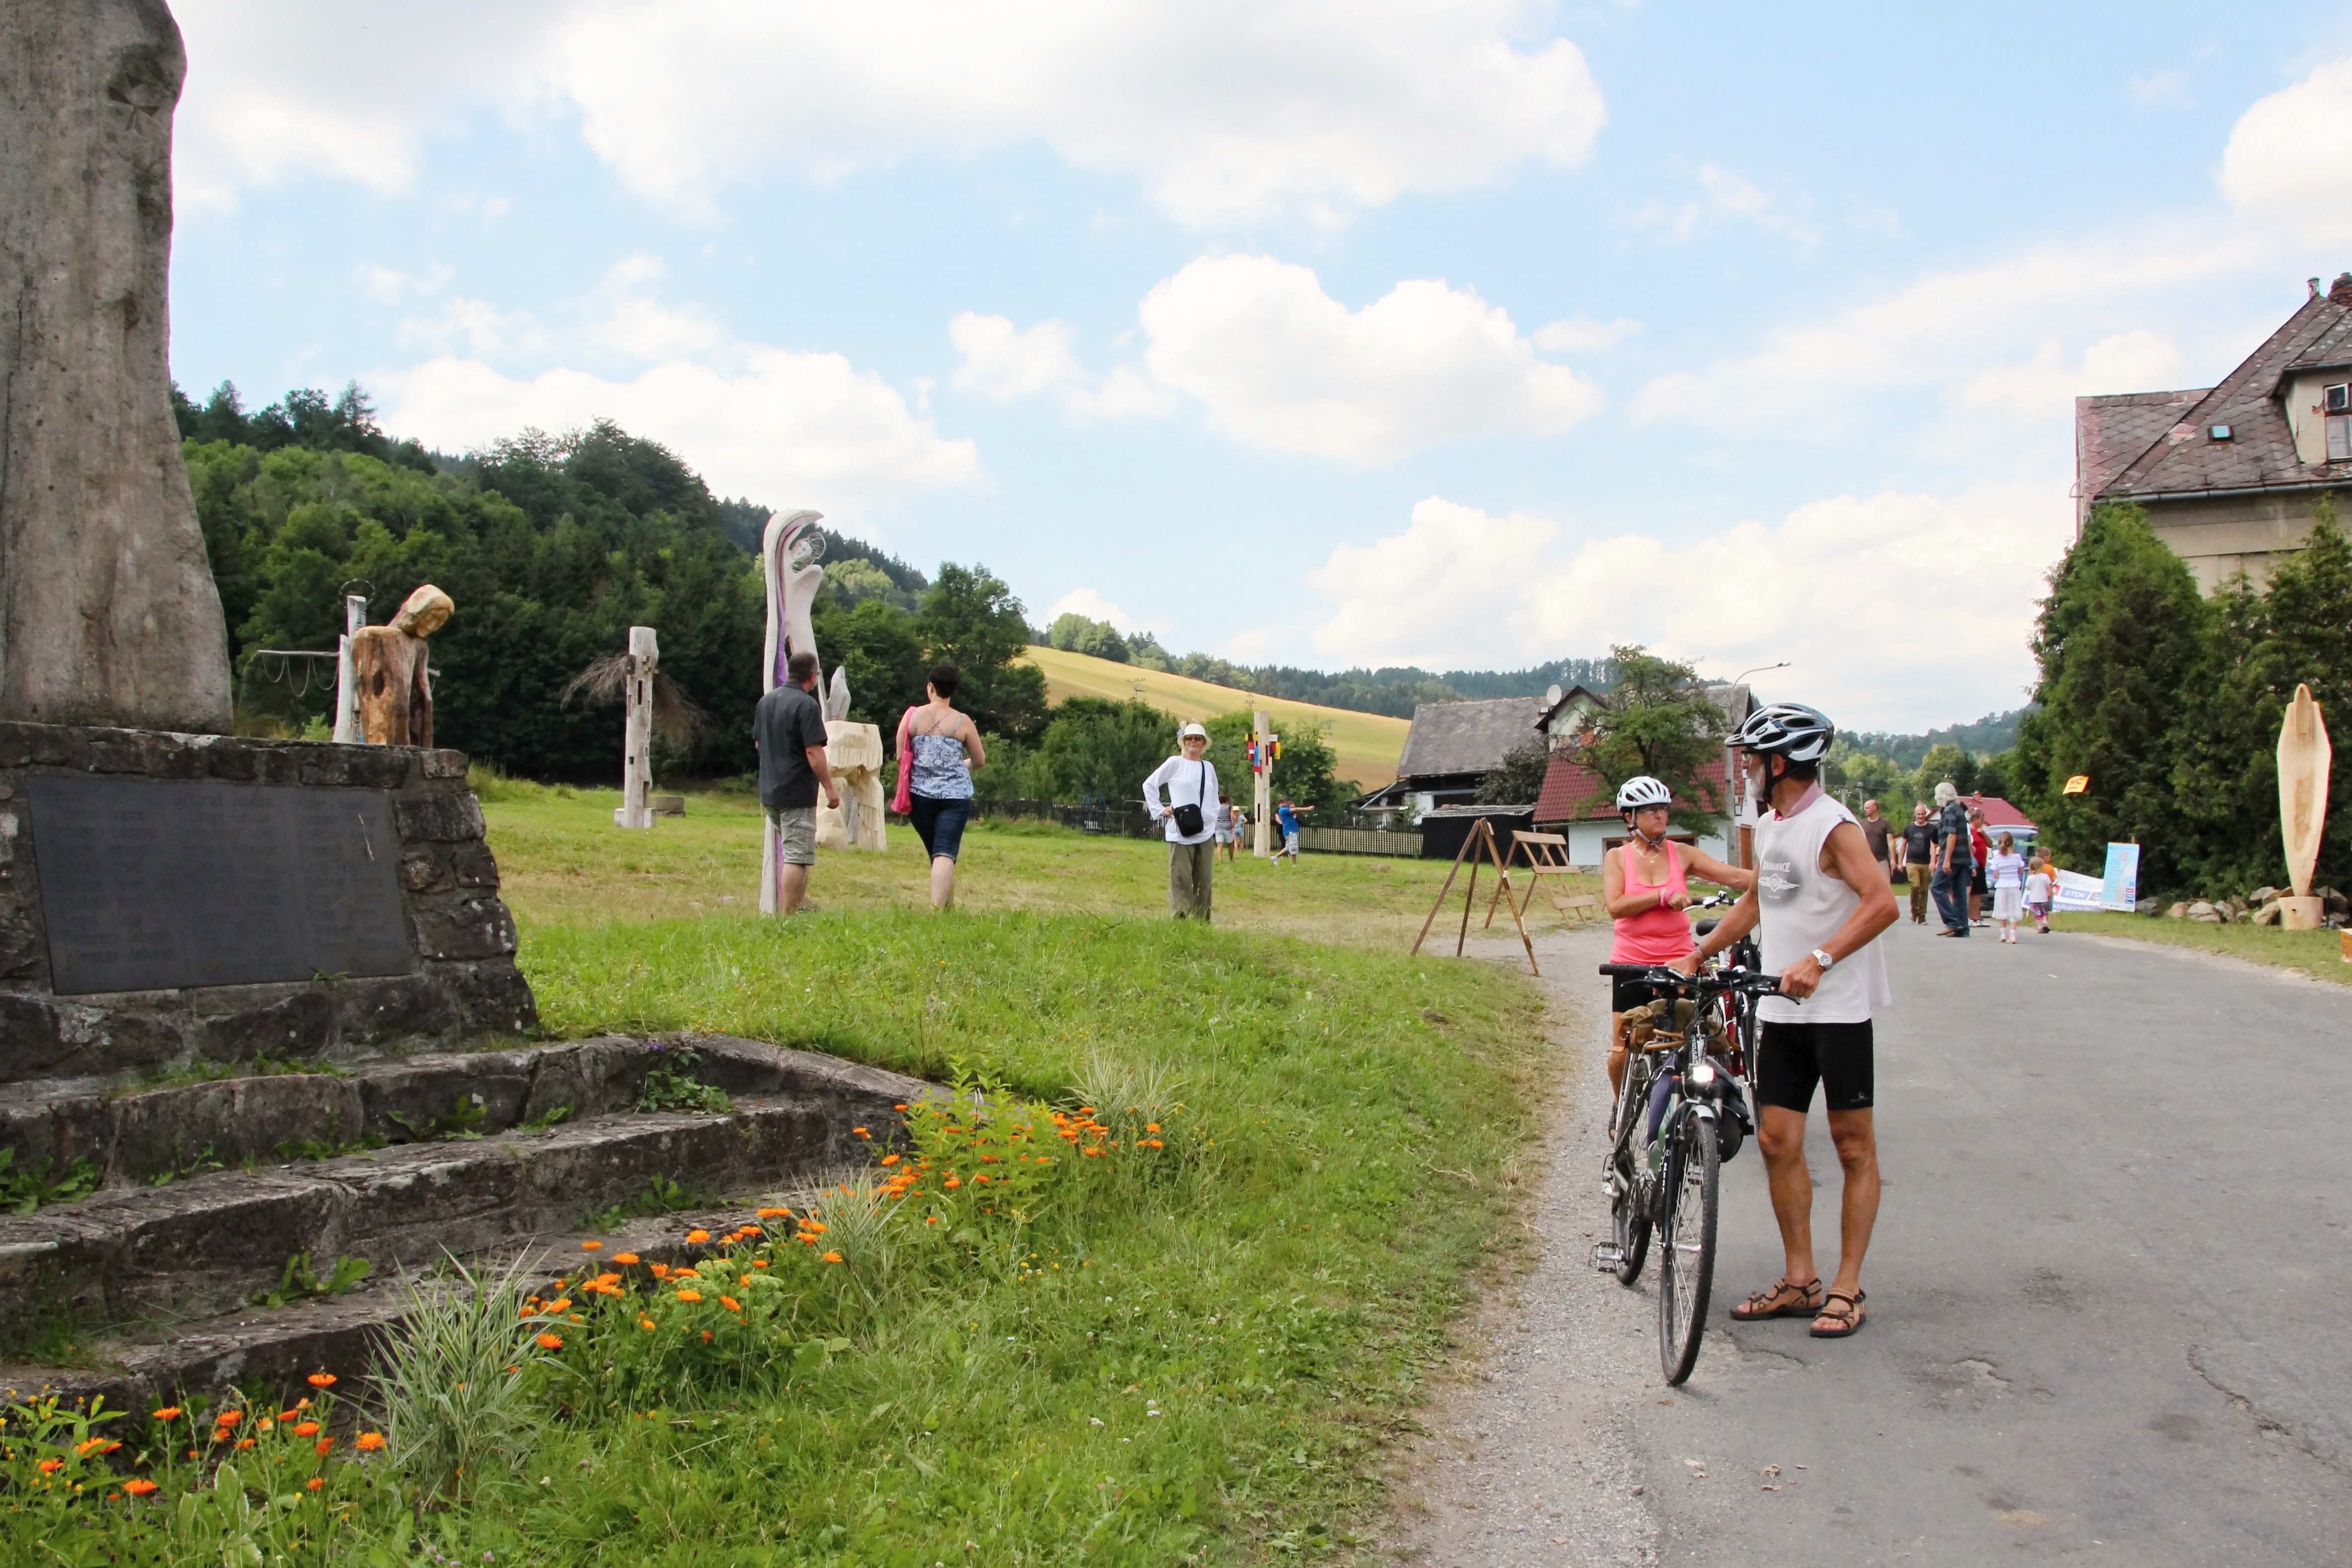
(788, 552)
(853, 752)
(395, 685)
(2303, 755)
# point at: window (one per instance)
(2339, 437)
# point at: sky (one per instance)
(1464, 334)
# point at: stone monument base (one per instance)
(169, 901)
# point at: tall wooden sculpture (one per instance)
(788, 553)
(853, 752)
(2303, 755)
(396, 689)
(637, 730)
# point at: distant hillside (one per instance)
(1993, 732)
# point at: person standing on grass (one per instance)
(1189, 812)
(941, 747)
(1241, 833)
(1225, 825)
(1953, 857)
(787, 727)
(1919, 860)
(1285, 818)
(2006, 872)
(1821, 904)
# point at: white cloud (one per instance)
(1574, 334)
(794, 429)
(475, 326)
(624, 322)
(1818, 588)
(389, 286)
(1225, 111)
(1281, 364)
(2283, 163)
(1086, 602)
(2045, 386)
(1722, 195)
(1005, 363)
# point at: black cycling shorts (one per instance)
(1625, 995)
(1790, 1058)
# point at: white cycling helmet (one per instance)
(1643, 790)
(1790, 730)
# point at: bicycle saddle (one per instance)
(1703, 927)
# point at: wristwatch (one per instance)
(1821, 956)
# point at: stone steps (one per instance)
(157, 1279)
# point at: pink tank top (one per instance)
(1657, 935)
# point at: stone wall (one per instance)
(463, 983)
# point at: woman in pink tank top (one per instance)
(1646, 882)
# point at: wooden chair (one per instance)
(1547, 856)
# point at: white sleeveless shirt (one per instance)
(1803, 907)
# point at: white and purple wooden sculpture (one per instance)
(788, 553)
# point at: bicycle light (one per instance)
(1702, 1073)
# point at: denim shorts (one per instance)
(938, 822)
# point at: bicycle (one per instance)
(1685, 1095)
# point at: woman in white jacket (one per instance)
(1190, 813)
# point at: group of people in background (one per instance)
(937, 747)
(1945, 853)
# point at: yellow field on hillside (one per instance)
(1368, 744)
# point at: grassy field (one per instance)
(1190, 1356)
(1367, 744)
(564, 863)
(2318, 954)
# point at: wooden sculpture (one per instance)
(2303, 755)
(853, 752)
(637, 730)
(788, 552)
(395, 687)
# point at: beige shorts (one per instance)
(795, 828)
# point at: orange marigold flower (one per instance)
(320, 1380)
(51, 1467)
(861, 1132)
(228, 1418)
(705, 1336)
(551, 1342)
(293, 1415)
(659, 1270)
(369, 1442)
(930, 1219)
(591, 1245)
(889, 1159)
(953, 1181)
(560, 1304)
(315, 1482)
(1155, 1143)
(169, 1413)
(775, 1214)
(1152, 1127)
(307, 1429)
(140, 1486)
(326, 1446)
(697, 1237)
(264, 1424)
(833, 1258)
(625, 1257)
(245, 1442)
(689, 1295)
(901, 1106)
(731, 1303)
(753, 1230)
(646, 1323)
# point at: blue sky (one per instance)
(1465, 334)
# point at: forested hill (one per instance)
(1993, 733)
(550, 548)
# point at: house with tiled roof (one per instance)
(1578, 804)
(1451, 748)
(2229, 474)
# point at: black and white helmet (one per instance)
(1643, 790)
(1790, 730)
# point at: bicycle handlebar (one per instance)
(1744, 980)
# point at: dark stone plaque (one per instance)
(154, 884)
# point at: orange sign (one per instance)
(2079, 784)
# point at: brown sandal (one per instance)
(1844, 1311)
(1782, 1301)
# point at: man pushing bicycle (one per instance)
(1821, 901)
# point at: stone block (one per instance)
(41, 1037)
(230, 1121)
(493, 997)
(575, 1171)
(475, 866)
(589, 1078)
(475, 926)
(445, 818)
(444, 764)
(410, 1204)
(425, 868)
(205, 1243)
(413, 1096)
(240, 1023)
(59, 1128)
(24, 953)
(382, 1009)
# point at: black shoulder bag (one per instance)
(1188, 817)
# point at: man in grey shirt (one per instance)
(789, 728)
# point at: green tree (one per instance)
(880, 650)
(1097, 750)
(1658, 719)
(1945, 763)
(970, 619)
(2119, 639)
(1520, 777)
(1074, 633)
(1308, 772)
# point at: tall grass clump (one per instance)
(454, 1380)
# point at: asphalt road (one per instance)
(2110, 1293)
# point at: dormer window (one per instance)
(2219, 432)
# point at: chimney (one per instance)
(2340, 292)
(2313, 282)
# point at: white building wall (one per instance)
(1585, 848)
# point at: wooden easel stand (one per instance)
(1481, 832)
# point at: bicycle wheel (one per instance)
(1686, 1248)
(1632, 1222)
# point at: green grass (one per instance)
(1346, 1153)
(2319, 953)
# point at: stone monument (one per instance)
(108, 611)
(2303, 755)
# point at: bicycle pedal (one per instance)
(1608, 1258)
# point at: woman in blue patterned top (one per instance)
(942, 747)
